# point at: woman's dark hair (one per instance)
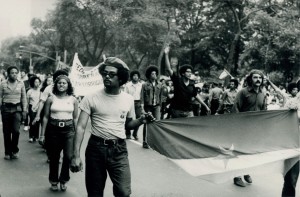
(291, 86)
(70, 89)
(135, 72)
(298, 85)
(58, 73)
(249, 77)
(32, 80)
(184, 68)
(149, 70)
(44, 84)
(235, 81)
(12, 67)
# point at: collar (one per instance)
(251, 89)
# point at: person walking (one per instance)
(33, 97)
(151, 95)
(184, 90)
(13, 105)
(228, 97)
(111, 112)
(60, 118)
(134, 88)
(250, 98)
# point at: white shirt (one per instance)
(134, 89)
(108, 113)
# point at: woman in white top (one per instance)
(60, 118)
(33, 97)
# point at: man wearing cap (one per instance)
(250, 98)
(111, 112)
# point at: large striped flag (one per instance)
(218, 148)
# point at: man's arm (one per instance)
(224, 96)
(38, 113)
(79, 134)
(45, 118)
(167, 61)
(198, 98)
(1, 94)
(76, 163)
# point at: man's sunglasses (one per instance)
(110, 74)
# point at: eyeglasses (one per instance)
(110, 74)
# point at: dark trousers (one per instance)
(214, 105)
(155, 110)
(59, 139)
(34, 129)
(290, 181)
(11, 125)
(138, 113)
(102, 159)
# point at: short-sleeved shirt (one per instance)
(33, 96)
(108, 113)
(47, 92)
(134, 89)
(14, 96)
(183, 94)
(229, 96)
(249, 100)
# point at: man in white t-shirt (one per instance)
(111, 112)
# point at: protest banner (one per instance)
(84, 82)
(218, 148)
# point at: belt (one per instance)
(61, 123)
(11, 104)
(107, 142)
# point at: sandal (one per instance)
(54, 187)
(63, 187)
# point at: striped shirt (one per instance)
(13, 95)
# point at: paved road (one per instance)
(152, 176)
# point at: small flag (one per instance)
(224, 74)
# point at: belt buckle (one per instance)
(61, 124)
(113, 142)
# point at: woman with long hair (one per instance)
(60, 118)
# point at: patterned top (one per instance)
(13, 95)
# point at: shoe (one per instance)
(128, 137)
(26, 128)
(7, 157)
(15, 156)
(135, 137)
(248, 178)
(54, 187)
(30, 140)
(63, 187)
(239, 182)
(145, 145)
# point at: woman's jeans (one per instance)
(102, 158)
(58, 139)
(34, 129)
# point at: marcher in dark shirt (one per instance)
(184, 90)
(250, 98)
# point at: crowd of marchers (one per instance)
(57, 119)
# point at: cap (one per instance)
(115, 62)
